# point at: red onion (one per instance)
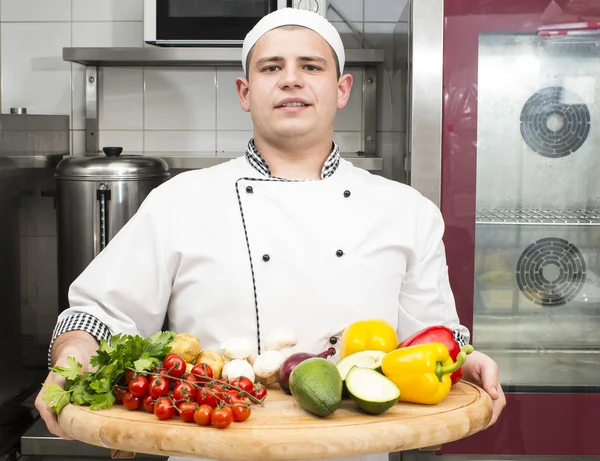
(293, 360)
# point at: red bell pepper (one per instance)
(437, 334)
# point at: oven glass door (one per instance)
(209, 20)
(521, 199)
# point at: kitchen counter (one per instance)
(38, 441)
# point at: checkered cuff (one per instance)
(459, 338)
(81, 322)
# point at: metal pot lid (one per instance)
(112, 166)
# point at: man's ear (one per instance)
(344, 86)
(243, 89)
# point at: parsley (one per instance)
(112, 359)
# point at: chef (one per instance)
(287, 235)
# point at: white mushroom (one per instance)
(281, 338)
(268, 363)
(237, 348)
(236, 368)
(252, 358)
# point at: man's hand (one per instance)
(78, 344)
(483, 371)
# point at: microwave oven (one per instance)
(211, 22)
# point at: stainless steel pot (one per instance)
(95, 197)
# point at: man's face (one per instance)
(293, 89)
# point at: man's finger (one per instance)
(497, 407)
(489, 379)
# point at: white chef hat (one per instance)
(296, 17)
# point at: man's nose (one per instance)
(291, 77)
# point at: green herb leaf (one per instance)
(56, 397)
(72, 371)
(144, 363)
(101, 386)
(113, 357)
(102, 401)
(159, 344)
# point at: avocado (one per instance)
(316, 385)
(372, 392)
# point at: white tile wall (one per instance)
(163, 110)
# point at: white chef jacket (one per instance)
(226, 252)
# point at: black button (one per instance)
(346, 193)
(266, 258)
(339, 253)
(333, 340)
(249, 189)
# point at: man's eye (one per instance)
(311, 68)
(270, 68)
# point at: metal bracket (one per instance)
(369, 116)
(91, 109)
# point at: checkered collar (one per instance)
(259, 163)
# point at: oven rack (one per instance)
(538, 217)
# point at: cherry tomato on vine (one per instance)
(175, 365)
(222, 417)
(206, 396)
(203, 415)
(244, 384)
(138, 386)
(202, 369)
(240, 412)
(187, 410)
(184, 391)
(129, 375)
(119, 392)
(159, 386)
(149, 403)
(131, 402)
(164, 408)
(261, 392)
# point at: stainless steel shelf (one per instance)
(157, 56)
(35, 161)
(191, 162)
(537, 217)
(371, 60)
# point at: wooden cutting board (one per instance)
(281, 430)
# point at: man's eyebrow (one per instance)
(313, 59)
(319, 59)
(269, 59)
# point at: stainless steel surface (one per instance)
(430, 456)
(151, 56)
(18, 110)
(536, 217)
(537, 235)
(369, 92)
(33, 161)
(425, 146)
(82, 229)
(91, 109)
(38, 441)
(123, 167)
(374, 164)
(34, 135)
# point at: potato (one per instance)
(186, 345)
(188, 367)
(214, 360)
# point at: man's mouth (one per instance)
(293, 104)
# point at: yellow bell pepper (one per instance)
(368, 335)
(422, 372)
